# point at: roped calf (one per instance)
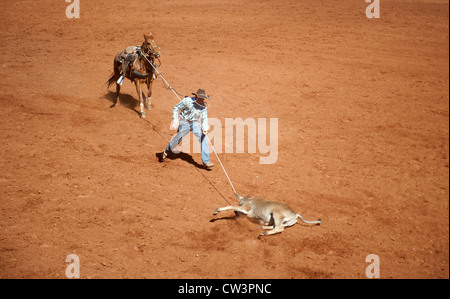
(273, 216)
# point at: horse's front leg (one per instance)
(149, 94)
(141, 98)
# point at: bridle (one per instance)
(151, 52)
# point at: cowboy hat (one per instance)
(201, 93)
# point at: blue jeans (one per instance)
(183, 129)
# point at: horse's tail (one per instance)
(115, 74)
(111, 80)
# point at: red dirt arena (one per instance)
(363, 139)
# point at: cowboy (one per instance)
(191, 110)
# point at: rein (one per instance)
(150, 57)
(166, 84)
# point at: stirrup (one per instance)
(120, 81)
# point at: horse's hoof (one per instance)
(142, 115)
(149, 107)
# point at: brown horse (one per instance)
(141, 71)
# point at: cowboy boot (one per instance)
(208, 165)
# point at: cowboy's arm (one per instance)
(175, 122)
(180, 106)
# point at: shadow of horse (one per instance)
(126, 100)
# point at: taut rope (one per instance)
(169, 87)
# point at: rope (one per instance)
(169, 87)
(214, 150)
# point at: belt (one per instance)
(188, 121)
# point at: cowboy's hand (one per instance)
(174, 124)
(205, 132)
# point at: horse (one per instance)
(140, 71)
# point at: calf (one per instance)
(274, 216)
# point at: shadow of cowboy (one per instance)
(182, 156)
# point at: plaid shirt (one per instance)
(191, 111)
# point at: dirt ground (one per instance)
(363, 132)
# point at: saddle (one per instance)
(126, 59)
(128, 56)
